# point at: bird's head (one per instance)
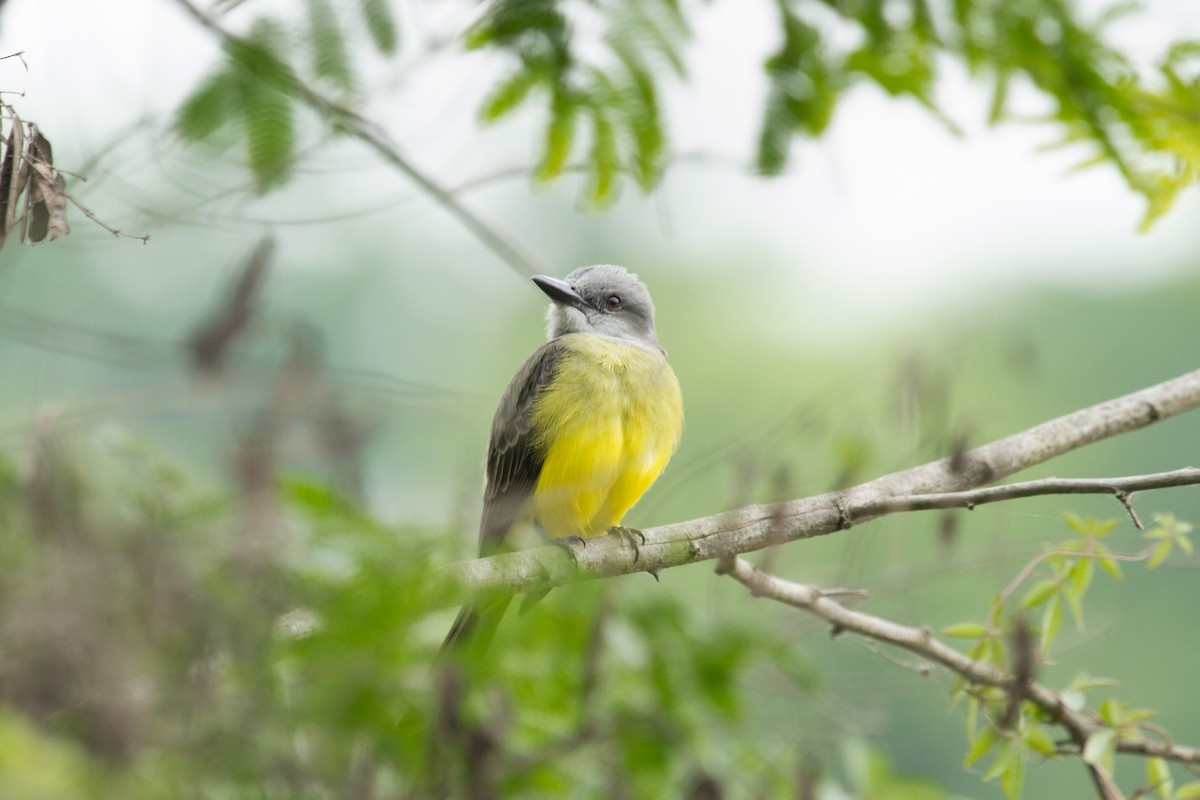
(604, 299)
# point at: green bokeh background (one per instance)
(417, 328)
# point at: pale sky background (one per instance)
(887, 210)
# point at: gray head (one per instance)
(604, 299)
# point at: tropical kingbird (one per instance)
(585, 426)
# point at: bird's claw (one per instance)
(569, 543)
(632, 536)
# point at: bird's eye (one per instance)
(613, 302)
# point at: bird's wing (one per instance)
(514, 457)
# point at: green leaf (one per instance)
(1040, 593)
(1002, 763)
(207, 108)
(645, 126)
(1100, 747)
(1013, 779)
(381, 25)
(1158, 775)
(1111, 567)
(981, 746)
(560, 135)
(1082, 682)
(1091, 526)
(1132, 716)
(1039, 741)
(774, 139)
(1189, 791)
(257, 56)
(1080, 575)
(1073, 699)
(1051, 622)
(965, 630)
(269, 129)
(508, 94)
(605, 160)
(1075, 523)
(1161, 551)
(805, 83)
(999, 97)
(329, 56)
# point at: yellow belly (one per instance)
(607, 427)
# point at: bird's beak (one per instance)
(560, 291)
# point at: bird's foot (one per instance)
(569, 543)
(632, 537)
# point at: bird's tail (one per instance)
(474, 628)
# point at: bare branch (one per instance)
(117, 232)
(371, 134)
(922, 642)
(20, 54)
(1106, 787)
(754, 527)
(1121, 488)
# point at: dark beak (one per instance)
(560, 291)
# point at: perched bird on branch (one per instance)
(585, 426)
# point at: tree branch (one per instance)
(1121, 488)
(921, 642)
(755, 527)
(374, 136)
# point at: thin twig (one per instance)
(1122, 488)
(87, 212)
(372, 135)
(20, 54)
(1027, 570)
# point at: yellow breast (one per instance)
(607, 425)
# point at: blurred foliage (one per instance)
(154, 647)
(599, 68)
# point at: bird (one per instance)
(585, 426)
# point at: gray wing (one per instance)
(514, 461)
(514, 458)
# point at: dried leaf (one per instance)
(48, 191)
(211, 342)
(18, 175)
(6, 180)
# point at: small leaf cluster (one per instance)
(253, 91)
(1168, 534)
(614, 94)
(1003, 723)
(1144, 124)
(598, 70)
